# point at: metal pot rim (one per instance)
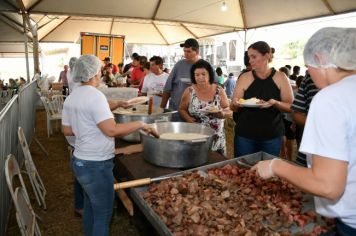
(146, 115)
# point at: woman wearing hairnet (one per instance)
(329, 138)
(87, 116)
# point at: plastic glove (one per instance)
(150, 130)
(125, 104)
(264, 168)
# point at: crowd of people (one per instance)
(13, 84)
(288, 103)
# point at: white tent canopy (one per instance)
(161, 22)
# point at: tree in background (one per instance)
(293, 49)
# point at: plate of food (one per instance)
(138, 100)
(251, 102)
(210, 109)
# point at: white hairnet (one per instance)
(71, 63)
(332, 47)
(85, 68)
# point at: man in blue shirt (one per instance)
(179, 78)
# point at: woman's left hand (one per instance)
(269, 103)
(219, 115)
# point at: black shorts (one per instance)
(289, 133)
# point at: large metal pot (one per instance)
(164, 116)
(177, 153)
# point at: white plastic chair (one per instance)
(57, 102)
(54, 113)
(35, 179)
(25, 216)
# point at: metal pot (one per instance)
(153, 118)
(177, 153)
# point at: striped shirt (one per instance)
(301, 103)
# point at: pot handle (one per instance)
(196, 140)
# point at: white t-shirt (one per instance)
(83, 110)
(330, 131)
(71, 86)
(154, 84)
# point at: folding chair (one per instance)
(25, 216)
(35, 179)
(53, 113)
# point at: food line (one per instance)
(143, 167)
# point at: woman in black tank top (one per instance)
(261, 129)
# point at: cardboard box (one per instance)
(57, 86)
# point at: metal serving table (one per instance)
(247, 160)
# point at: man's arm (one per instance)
(165, 98)
(168, 87)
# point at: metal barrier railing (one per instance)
(19, 111)
(28, 98)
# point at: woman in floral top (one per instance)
(203, 94)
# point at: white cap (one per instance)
(85, 68)
(332, 47)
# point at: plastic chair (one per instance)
(35, 179)
(57, 102)
(53, 112)
(25, 216)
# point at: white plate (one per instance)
(251, 105)
(204, 110)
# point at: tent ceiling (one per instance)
(14, 48)
(156, 21)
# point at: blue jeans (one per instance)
(97, 181)
(244, 146)
(341, 229)
(78, 195)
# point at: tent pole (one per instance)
(26, 50)
(245, 40)
(33, 29)
(36, 62)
